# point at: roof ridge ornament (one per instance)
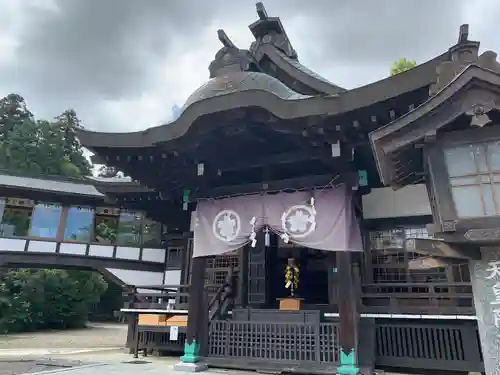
(261, 11)
(229, 58)
(463, 34)
(270, 30)
(224, 39)
(464, 53)
(461, 55)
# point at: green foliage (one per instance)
(32, 299)
(39, 147)
(105, 233)
(47, 299)
(402, 65)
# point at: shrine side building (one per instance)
(324, 229)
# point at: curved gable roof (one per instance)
(298, 71)
(271, 95)
(416, 124)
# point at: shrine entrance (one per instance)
(313, 277)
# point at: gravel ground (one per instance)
(27, 366)
(42, 351)
(96, 336)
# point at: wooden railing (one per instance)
(390, 298)
(221, 300)
(176, 297)
(418, 298)
(164, 297)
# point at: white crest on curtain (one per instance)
(226, 225)
(299, 221)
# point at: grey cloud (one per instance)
(111, 48)
(94, 50)
(114, 48)
(358, 31)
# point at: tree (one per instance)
(39, 147)
(13, 112)
(34, 299)
(67, 124)
(402, 65)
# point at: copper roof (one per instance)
(232, 82)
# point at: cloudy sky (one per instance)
(123, 64)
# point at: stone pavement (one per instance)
(94, 351)
(32, 352)
(139, 367)
(29, 366)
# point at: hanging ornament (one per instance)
(253, 235)
(267, 237)
(292, 277)
(313, 207)
(185, 200)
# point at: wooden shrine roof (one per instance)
(268, 76)
(476, 88)
(267, 93)
(89, 187)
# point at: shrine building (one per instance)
(321, 229)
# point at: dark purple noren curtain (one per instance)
(326, 222)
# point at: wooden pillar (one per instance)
(242, 294)
(332, 278)
(349, 315)
(197, 319)
(257, 288)
(187, 259)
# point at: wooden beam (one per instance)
(268, 160)
(271, 186)
(438, 248)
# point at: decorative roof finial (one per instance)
(224, 39)
(229, 57)
(261, 11)
(463, 35)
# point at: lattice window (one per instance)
(224, 261)
(474, 172)
(217, 269)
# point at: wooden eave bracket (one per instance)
(438, 248)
